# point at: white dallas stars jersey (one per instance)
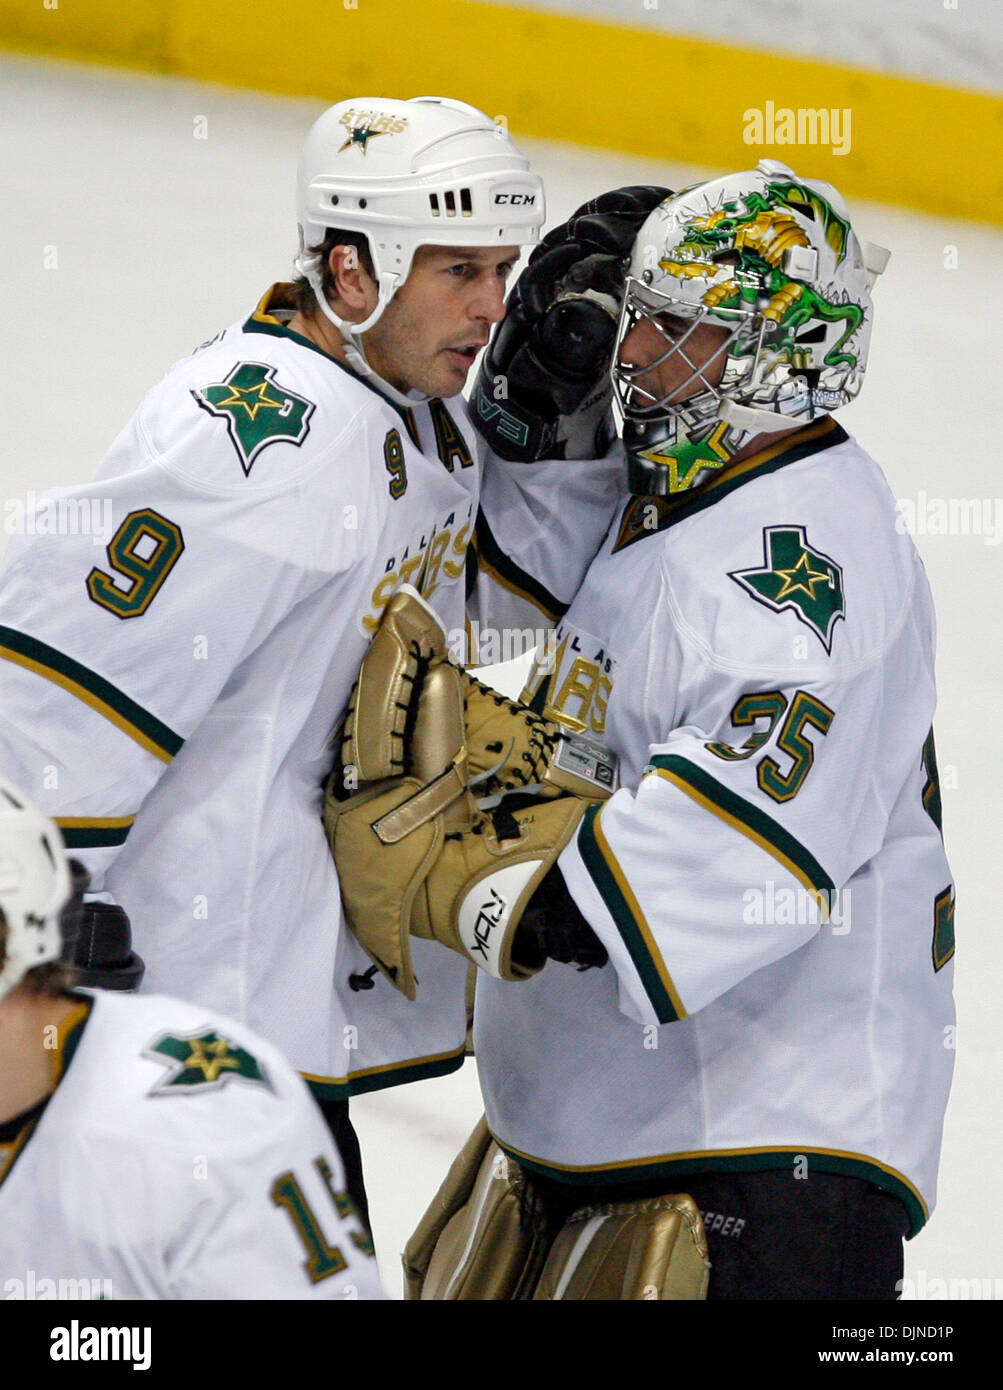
(179, 1157)
(770, 882)
(170, 687)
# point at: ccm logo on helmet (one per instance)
(516, 199)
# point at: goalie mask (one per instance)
(35, 885)
(425, 172)
(771, 260)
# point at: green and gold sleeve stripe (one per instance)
(359, 1083)
(623, 907)
(86, 685)
(504, 571)
(94, 832)
(750, 821)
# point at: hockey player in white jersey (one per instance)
(772, 1031)
(149, 1148)
(171, 700)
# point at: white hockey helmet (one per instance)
(35, 885)
(770, 258)
(429, 171)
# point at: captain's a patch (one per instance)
(798, 578)
(201, 1060)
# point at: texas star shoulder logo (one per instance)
(797, 577)
(257, 409)
(202, 1060)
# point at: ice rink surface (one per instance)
(141, 215)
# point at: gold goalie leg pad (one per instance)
(653, 1248)
(479, 1239)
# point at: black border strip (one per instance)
(502, 567)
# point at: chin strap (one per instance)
(351, 333)
(743, 417)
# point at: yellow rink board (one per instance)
(554, 76)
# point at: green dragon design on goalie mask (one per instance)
(755, 242)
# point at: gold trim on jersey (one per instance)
(276, 291)
(94, 822)
(635, 523)
(513, 588)
(261, 321)
(94, 832)
(80, 692)
(61, 1053)
(9, 1152)
(66, 1030)
(497, 563)
(808, 435)
(820, 895)
(389, 1073)
(714, 1161)
(637, 918)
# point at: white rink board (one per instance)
(162, 238)
(958, 43)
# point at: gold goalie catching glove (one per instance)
(415, 852)
(414, 710)
(511, 747)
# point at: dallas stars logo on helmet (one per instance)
(363, 126)
(198, 1060)
(258, 410)
(798, 578)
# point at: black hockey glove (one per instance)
(97, 940)
(542, 390)
(553, 928)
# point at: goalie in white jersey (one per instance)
(772, 1032)
(149, 1148)
(170, 701)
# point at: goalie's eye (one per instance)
(672, 326)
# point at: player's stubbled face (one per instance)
(671, 379)
(437, 322)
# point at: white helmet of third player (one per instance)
(425, 172)
(35, 885)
